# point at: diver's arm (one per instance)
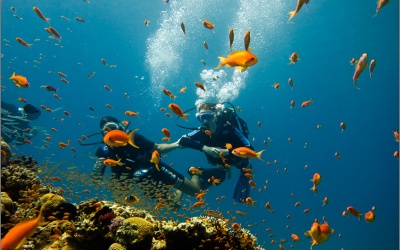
(163, 148)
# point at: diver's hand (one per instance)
(215, 152)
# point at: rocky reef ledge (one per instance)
(94, 224)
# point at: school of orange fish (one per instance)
(319, 232)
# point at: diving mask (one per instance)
(108, 126)
(206, 117)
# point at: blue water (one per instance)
(325, 34)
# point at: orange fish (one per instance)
(306, 103)
(131, 113)
(316, 179)
(294, 57)
(244, 152)
(107, 88)
(199, 203)
(208, 25)
(319, 233)
(228, 145)
(241, 58)
(155, 158)
(298, 7)
(177, 111)
(169, 93)
(182, 90)
(295, 237)
(22, 42)
(208, 132)
(17, 236)
(118, 138)
(166, 132)
(275, 85)
(200, 86)
(194, 170)
(40, 14)
(369, 216)
(22, 99)
(381, 4)
(361, 65)
(112, 162)
(354, 212)
(19, 81)
(396, 135)
(250, 201)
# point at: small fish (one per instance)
(205, 46)
(65, 18)
(146, 22)
(22, 42)
(194, 170)
(231, 38)
(381, 4)
(343, 126)
(80, 19)
(208, 25)
(294, 57)
(306, 103)
(354, 212)
(319, 233)
(183, 28)
(298, 7)
(200, 86)
(177, 111)
(19, 80)
(22, 99)
(369, 216)
(54, 32)
(242, 59)
(182, 90)
(372, 66)
(166, 132)
(40, 14)
(155, 158)
(131, 199)
(250, 201)
(360, 66)
(91, 74)
(247, 40)
(107, 88)
(118, 138)
(104, 62)
(112, 162)
(49, 88)
(131, 113)
(244, 152)
(204, 62)
(290, 81)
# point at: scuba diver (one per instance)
(133, 166)
(15, 122)
(221, 131)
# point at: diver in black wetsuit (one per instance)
(214, 145)
(135, 166)
(15, 122)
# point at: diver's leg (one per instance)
(190, 187)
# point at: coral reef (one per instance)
(5, 153)
(94, 224)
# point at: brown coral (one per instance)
(135, 232)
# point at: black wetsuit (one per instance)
(136, 164)
(225, 134)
